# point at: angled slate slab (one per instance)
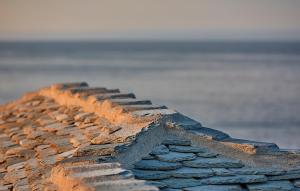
(176, 157)
(238, 179)
(150, 174)
(160, 150)
(215, 188)
(156, 165)
(271, 186)
(186, 172)
(176, 141)
(214, 163)
(181, 182)
(187, 149)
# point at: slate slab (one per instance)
(239, 179)
(180, 142)
(271, 186)
(215, 188)
(214, 163)
(207, 155)
(181, 182)
(285, 176)
(150, 175)
(160, 150)
(176, 157)
(297, 183)
(258, 171)
(187, 149)
(223, 172)
(209, 133)
(186, 172)
(156, 165)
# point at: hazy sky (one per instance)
(25, 19)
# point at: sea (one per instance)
(250, 90)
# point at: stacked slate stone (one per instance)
(37, 133)
(177, 165)
(74, 137)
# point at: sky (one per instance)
(149, 19)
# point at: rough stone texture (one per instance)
(215, 188)
(156, 165)
(176, 157)
(151, 175)
(238, 179)
(75, 137)
(207, 155)
(214, 163)
(187, 149)
(181, 182)
(179, 142)
(186, 172)
(258, 171)
(285, 176)
(160, 150)
(271, 186)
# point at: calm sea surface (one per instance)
(249, 90)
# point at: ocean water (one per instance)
(248, 89)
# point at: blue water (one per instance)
(248, 89)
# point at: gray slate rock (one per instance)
(156, 165)
(258, 171)
(223, 172)
(176, 157)
(207, 155)
(181, 182)
(239, 179)
(187, 149)
(150, 175)
(271, 186)
(209, 133)
(285, 177)
(214, 163)
(181, 142)
(297, 183)
(186, 172)
(157, 184)
(160, 150)
(215, 188)
(148, 157)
